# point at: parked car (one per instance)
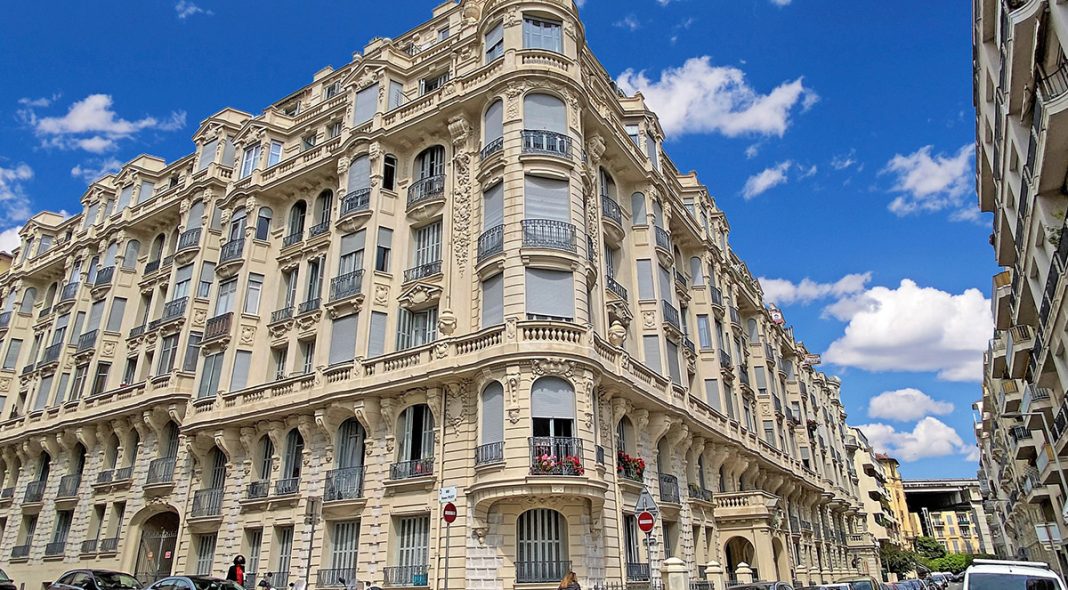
(762, 586)
(95, 580)
(194, 583)
(835, 586)
(6, 583)
(996, 574)
(866, 583)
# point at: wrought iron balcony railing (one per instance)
(546, 142)
(410, 469)
(491, 242)
(423, 271)
(426, 189)
(489, 453)
(549, 233)
(356, 201)
(556, 455)
(346, 285)
(344, 484)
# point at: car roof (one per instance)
(1038, 571)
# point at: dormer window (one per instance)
(332, 90)
(427, 85)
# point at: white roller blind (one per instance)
(376, 345)
(638, 215)
(147, 189)
(343, 339)
(118, 310)
(124, 196)
(651, 347)
(494, 127)
(396, 94)
(550, 293)
(493, 207)
(645, 280)
(493, 300)
(359, 174)
(239, 378)
(350, 243)
(544, 113)
(546, 198)
(366, 104)
(228, 153)
(712, 393)
(493, 413)
(552, 397)
(207, 154)
(95, 313)
(385, 237)
(673, 362)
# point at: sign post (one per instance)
(448, 514)
(647, 512)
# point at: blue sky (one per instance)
(835, 135)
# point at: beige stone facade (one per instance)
(1020, 90)
(460, 261)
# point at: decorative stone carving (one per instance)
(562, 368)
(108, 349)
(447, 322)
(617, 334)
(460, 131)
(381, 294)
(648, 319)
(248, 334)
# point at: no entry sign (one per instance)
(448, 512)
(646, 522)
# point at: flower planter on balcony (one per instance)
(556, 455)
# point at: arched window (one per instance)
(345, 482)
(111, 452)
(263, 223)
(195, 216)
(216, 479)
(291, 463)
(156, 251)
(94, 267)
(133, 250)
(541, 546)
(697, 273)
(638, 215)
(493, 128)
(492, 448)
(172, 245)
(324, 204)
(753, 330)
(415, 453)
(50, 294)
(168, 446)
(237, 224)
(29, 298)
(430, 163)
(297, 214)
(110, 254)
(544, 112)
(266, 460)
(625, 436)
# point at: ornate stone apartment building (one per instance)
(1020, 90)
(461, 260)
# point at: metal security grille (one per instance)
(414, 533)
(540, 549)
(346, 545)
(205, 553)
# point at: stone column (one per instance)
(714, 575)
(676, 574)
(743, 573)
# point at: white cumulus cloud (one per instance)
(629, 22)
(785, 292)
(186, 9)
(14, 202)
(92, 170)
(913, 328)
(766, 179)
(929, 438)
(930, 183)
(905, 405)
(91, 124)
(699, 97)
(9, 239)
(781, 2)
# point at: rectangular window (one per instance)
(704, 332)
(207, 154)
(651, 347)
(118, 311)
(307, 355)
(546, 198)
(650, 150)
(207, 277)
(63, 520)
(761, 380)
(673, 362)
(493, 300)
(346, 544)
(769, 433)
(43, 391)
(343, 339)
(366, 105)
(333, 130)
(205, 553)
(182, 277)
(396, 94)
(428, 244)
(129, 374)
(352, 246)
(376, 345)
(416, 328)
(308, 142)
(432, 83)
(167, 350)
(192, 352)
(275, 155)
(249, 160)
(493, 207)
(209, 376)
(645, 280)
(78, 384)
(124, 196)
(315, 279)
(239, 376)
(495, 42)
(285, 550)
(61, 390)
(550, 294)
(252, 295)
(382, 250)
(100, 379)
(542, 34)
(224, 302)
(712, 393)
(413, 541)
(12, 356)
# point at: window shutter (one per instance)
(673, 362)
(645, 280)
(366, 104)
(396, 94)
(550, 293)
(651, 347)
(196, 214)
(493, 413)
(546, 198)
(359, 174)
(493, 207)
(118, 310)
(544, 112)
(376, 345)
(494, 126)
(552, 397)
(239, 378)
(343, 339)
(147, 190)
(351, 243)
(493, 300)
(495, 35)
(712, 393)
(95, 313)
(207, 154)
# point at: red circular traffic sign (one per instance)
(646, 522)
(448, 512)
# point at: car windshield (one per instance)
(1011, 582)
(861, 585)
(213, 584)
(115, 581)
(4, 577)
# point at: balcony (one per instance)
(293, 239)
(637, 572)
(346, 285)
(206, 503)
(258, 490)
(490, 243)
(319, 229)
(281, 315)
(87, 341)
(161, 471)
(34, 492)
(613, 287)
(425, 191)
(736, 317)
(88, 547)
(309, 306)
(612, 216)
(412, 469)
(540, 572)
(20, 551)
(1036, 399)
(287, 486)
(110, 545)
(669, 488)
(68, 486)
(671, 316)
(51, 354)
(189, 240)
(550, 234)
(999, 304)
(556, 455)
(1018, 343)
(491, 148)
(749, 505)
(70, 291)
(663, 241)
(218, 326)
(1009, 396)
(1022, 443)
(55, 548)
(489, 453)
(336, 578)
(405, 575)
(344, 484)
(423, 271)
(355, 210)
(103, 278)
(717, 300)
(696, 492)
(174, 309)
(547, 143)
(231, 253)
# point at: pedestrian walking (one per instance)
(236, 573)
(570, 582)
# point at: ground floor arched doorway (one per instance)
(156, 549)
(739, 550)
(782, 561)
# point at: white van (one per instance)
(995, 574)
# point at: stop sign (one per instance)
(448, 512)
(646, 522)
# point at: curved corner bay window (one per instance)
(550, 294)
